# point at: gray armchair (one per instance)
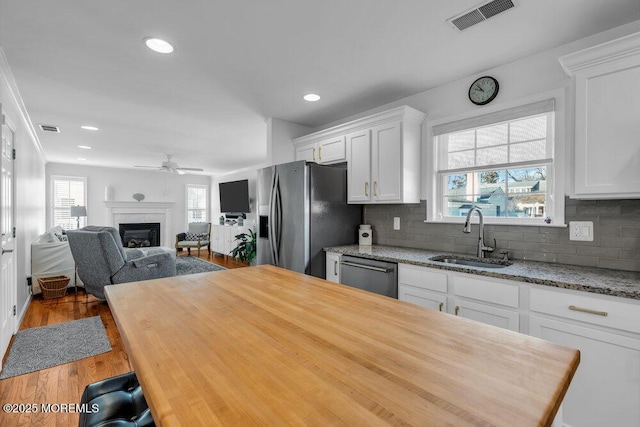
(101, 259)
(197, 236)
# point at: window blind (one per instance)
(540, 107)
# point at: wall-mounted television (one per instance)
(234, 196)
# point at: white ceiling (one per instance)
(240, 62)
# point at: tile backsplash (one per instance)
(616, 225)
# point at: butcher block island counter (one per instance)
(267, 346)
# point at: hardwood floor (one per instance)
(64, 384)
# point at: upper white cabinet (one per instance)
(325, 151)
(607, 90)
(382, 153)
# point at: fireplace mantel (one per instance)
(136, 212)
(140, 205)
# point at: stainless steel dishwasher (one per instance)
(371, 275)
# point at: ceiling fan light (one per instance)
(311, 97)
(87, 127)
(158, 45)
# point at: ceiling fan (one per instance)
(170, 166)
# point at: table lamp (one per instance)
(78, 211)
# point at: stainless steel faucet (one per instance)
(467, 229)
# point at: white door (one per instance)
(359, 166)
(8, 286)
(386, 154)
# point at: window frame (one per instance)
(555, 169)
(53, 208)
(207, 202)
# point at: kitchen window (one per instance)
(197, 202)
(503, 162)
(67, 192)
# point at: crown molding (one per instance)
(14, 93)
(404, 113)
(614, 50)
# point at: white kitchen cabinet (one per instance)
(491, 301)
(486, 313)
(382, 153)
(605, 390)
(607, 89)
(332, 266)
(306, 152)
(606, 387)
(422, 286)
(325, 151)
(383, 161)
(359, 166)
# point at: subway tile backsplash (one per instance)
(616, 232)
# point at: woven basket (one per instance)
(53, 287)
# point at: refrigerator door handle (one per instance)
(272, 225)
(277, 239)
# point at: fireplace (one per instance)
(140, 234)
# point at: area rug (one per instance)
(192, 265)
(39, 348)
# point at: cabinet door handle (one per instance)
(441, 305)
(6, 251)
(375, 188)
(335, 268)
(313, 154)
(319, 154)
(457, 310)
(366, 189)
(588, 310)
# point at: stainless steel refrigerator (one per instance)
(302, 208)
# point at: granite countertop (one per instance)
(604, 281)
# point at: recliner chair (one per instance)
(101, 260)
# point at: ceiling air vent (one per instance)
(480, 13)
(50, 128)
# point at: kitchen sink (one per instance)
(470, 261)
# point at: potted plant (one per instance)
(246, 248)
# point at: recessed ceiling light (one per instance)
(81, 158)
(158, 45)
(84, 147)
(311, 97)
(85, 127)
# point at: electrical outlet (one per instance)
(396, 223)
(581, 230)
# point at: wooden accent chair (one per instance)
(197, 236)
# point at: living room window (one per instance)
(503, 163)
(197, 203)
(66, 192)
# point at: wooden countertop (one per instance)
(264, 345)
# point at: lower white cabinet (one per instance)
(423, 287)
(332, 266)
(223, 237)
(605, 390)
(491, 301)
(489, 314)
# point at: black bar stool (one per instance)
(116, 401)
